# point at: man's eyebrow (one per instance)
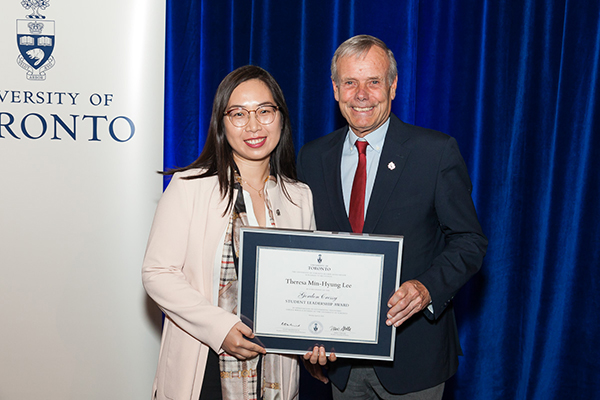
(371, 78)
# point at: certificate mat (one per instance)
(301, 288)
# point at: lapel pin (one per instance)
(391, 166)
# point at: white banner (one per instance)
(81, 122)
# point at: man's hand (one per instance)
(410, 298)
(315, 361)
(235, 343)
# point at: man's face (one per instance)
(364, 96)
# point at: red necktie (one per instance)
(357, 198)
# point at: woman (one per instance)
(244, 176)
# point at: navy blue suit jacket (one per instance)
(423, 192)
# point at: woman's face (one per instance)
(254, 141)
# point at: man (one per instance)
(405, 180)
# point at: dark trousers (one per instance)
(211, 386)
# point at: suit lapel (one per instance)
(331, 159)
(391, 164)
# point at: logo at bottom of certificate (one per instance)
(315, 327)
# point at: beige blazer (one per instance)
(177, 273)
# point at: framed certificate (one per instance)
(299, 288)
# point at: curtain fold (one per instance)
(516, 83)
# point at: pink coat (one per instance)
(177, 273)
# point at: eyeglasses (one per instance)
(240, 116)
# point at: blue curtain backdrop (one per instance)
(516, 83)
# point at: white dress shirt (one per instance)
(349, 162)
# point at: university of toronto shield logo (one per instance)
(35, 39)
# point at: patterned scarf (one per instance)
(239, 379)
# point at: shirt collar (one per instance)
(375, 138)
(271, 182)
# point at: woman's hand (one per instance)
(315, 361)
(236, 344)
